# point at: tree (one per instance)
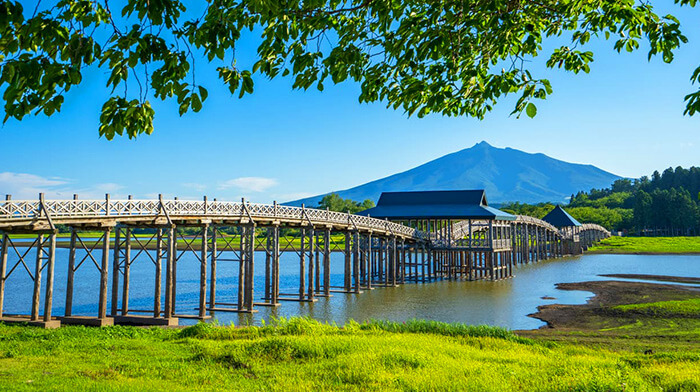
(334, 202)
(642, 210)
(429, 56)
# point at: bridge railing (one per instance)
(13, 210)
(534, 221)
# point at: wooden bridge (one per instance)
(376, 252)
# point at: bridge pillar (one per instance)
(371, 259)
(347, 283)
(127, 272)
(327, 263)
(203, 272)
(3, 269)
(37, 278)
(302, 265)
(249, 266)
(71, 273)
(169, 262)
(275, 265)
(394, 261)
(356, 261)
(312, 261)
(159, 273)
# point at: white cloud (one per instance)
(249, 184)
(28, 186)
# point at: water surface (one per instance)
(504, 303)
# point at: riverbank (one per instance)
(627, 316)
(647, 245)
(597, 346)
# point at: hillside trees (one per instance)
(336, 203)
(666, 203)
(456, 58)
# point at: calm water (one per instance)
(505, 303)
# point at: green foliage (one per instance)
(610, 218)
(648, 245)
(334, 202)
(666, 201)
(436, 56)
(534, 210)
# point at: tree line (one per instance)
(666, 203)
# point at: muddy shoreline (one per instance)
(595, 314)
(660, 278)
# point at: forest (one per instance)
(666, 204)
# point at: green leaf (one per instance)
(531, 110)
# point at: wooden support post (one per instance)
(402, 262)
(127, 272)
(37, 278)
(302, 266)
(393, 261)
(173, 272)
(268, 266)
(347, 283)
(312, 262)
(203, 272)
(275, 265)
(50, 263)
(242, 269)
(369, 266)
(317, 266)
(365, 257)
(104, 275)
(3, 270)
(159, 260)
(115, 271)
(250, 269)
(423, 261)
(212, 267)
(70, 277)
(170, 261)
(356, 261)
(327, 262)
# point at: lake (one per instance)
(504, 303)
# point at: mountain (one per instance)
(505, 173)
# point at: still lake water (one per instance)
(505, 303)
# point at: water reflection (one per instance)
(505, 303)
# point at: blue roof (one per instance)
(466, 204)
(560, 218)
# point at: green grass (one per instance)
(685, 308)
(648, 245)
(302, 354)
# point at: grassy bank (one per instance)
(300, 354)
(648, 245)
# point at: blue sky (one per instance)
(625, 117)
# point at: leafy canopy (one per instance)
(454, 57)
(334, 202)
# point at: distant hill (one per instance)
(506, 174)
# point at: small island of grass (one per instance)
(648, 245)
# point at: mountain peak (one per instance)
(482, 144)
(506, 174)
